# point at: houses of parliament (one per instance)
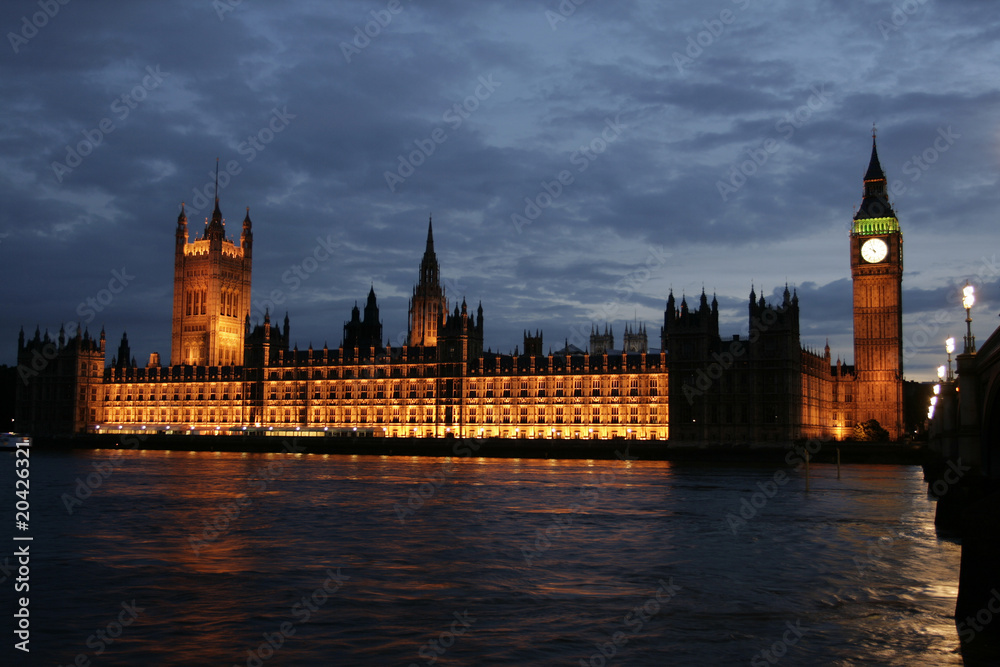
(229, 375)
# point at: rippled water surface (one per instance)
(354, 560)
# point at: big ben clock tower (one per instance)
(877, 275)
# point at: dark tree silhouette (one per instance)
(870, 431)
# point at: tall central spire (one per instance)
(428, 304)
(429, 268)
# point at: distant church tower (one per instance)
(877, 274)
(211, 293)
(427, 305)
(601, 343)
(636, 340)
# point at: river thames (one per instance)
(183, 558)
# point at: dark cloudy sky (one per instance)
(646, 110)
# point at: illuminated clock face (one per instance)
(874, 250)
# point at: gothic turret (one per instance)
(124, 354)
(533, 343)
(246, 238)
(460, 337)
(181, 235)
(366, 333)
(704, 320)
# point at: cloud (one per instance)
(656, 186)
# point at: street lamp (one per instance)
(968, 299)
(949, 346)
(941, 373)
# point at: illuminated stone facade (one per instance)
(211, 294)
(697, 387)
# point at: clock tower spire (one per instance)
(876, 244)
(876, 212)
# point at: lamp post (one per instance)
(949, 346)
(968, 299)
